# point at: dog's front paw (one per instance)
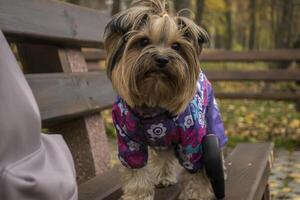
(193, 194)
(196, 187)
(165, 182)
(143, 196)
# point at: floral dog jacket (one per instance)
(182, 133)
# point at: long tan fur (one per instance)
(129, 65)
(132, 68)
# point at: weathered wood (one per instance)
(275, 96)
(250, 56)
(94, 66)
(108, 187)
(73, 62)
(62, 96)
(227, 56)
(261, 75)
(84, 135)
(94, 55)
(52, 22)
(248, 171)
(247, 167)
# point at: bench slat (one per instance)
(248, 170)
(275, 96)
(251, 56)
(257, 75)
(49, 21)
(227, 56)
(64, 95)
(245, 181)
(102, 186)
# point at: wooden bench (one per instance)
(248, 168)
(49, 36)
(271, 75)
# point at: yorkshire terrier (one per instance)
(165, 104)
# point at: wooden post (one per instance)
(86, 135)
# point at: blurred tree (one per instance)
(96, 4)
(232, 24)
(228, 15)
(183, 4)
(199, 11)
(252, 36)
(115, 7)
(283, 21)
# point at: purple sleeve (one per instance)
(213, 118)
(132, 153)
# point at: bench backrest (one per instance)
(52, 22)
(44, 31)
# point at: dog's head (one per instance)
(153, 57)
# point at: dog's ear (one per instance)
(118, 30)
(197, 35)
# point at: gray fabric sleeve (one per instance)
(33, 166)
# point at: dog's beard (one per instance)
(140, 83)
(132, 68)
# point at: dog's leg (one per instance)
(163, 166)
(196, 186)
(137, 184)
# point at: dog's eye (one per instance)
(144, 42)
(175, 46)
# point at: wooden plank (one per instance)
(257, 75)
(108, 187)
(62, 96)
(94, 55)
(247, 167)
(94, 66)
(250, 56)
(226, 56)
(248, 170)
(50, 21)
(275, 96)
(101, 187)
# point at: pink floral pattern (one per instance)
(183, 133)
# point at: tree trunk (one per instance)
(228, 16)
(252, 36)
(199, 11)
(183, 4)
(115, 7)
(284, 24)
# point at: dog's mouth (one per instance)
(157, 72)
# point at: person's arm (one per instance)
(32, 165)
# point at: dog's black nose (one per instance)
(161, 61)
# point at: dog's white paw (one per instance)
(196, 187)
(138, 197)
(196, 195)
(165, 182)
